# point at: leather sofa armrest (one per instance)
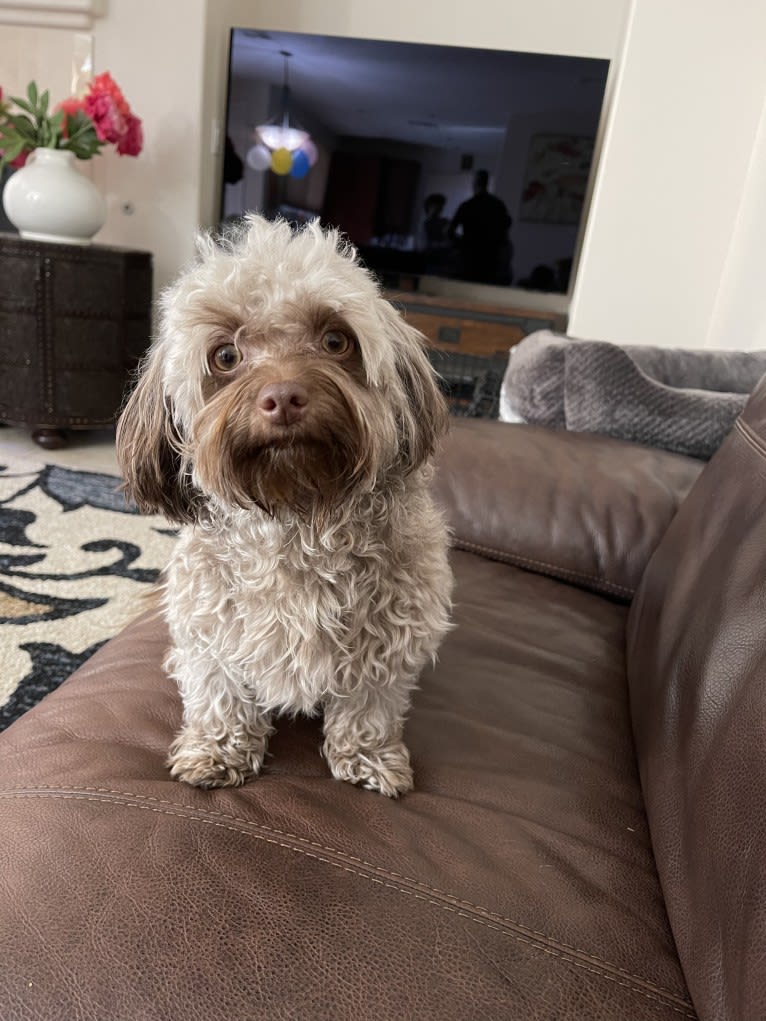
(584, 508)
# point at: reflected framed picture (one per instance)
(556, 178)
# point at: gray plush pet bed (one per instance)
(677, 399)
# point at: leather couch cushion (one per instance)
(587, 509)
(516, 881)
(697, 667)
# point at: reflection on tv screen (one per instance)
(436, 162)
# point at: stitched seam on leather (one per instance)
(513, 558)
(448, 902)
(207, 814)
(751, 437)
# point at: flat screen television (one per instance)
(437, 162)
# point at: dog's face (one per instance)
(280, 378)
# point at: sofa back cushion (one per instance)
(582, 508)
(697, 674)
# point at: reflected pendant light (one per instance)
(278, 134)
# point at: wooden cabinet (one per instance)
(470, 328)
(74, 321)
(470, 344)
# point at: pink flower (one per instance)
(112, 117)
(132, 142)
(107, 119)
(70, 106)
(105, 85)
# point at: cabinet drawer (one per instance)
(480, 330)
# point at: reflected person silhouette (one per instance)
(480, 228)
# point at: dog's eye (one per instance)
(226, 358)
(336, 343)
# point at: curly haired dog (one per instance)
(286, 415)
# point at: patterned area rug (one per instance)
(75, 559)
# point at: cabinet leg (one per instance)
(50, 439)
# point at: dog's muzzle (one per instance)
(296, 443)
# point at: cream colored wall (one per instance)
(155, 51)
(675, 165)
(35, 54)
(677, 221)
(739, 316)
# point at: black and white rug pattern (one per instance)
(75, 558)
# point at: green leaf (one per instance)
(77, 122)
(81, 139)
(32, 93)
(44, 99)
(23, 105)
(56, 131)
(82, 134)
(23, 125)
(12, 152)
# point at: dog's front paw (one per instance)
(385, 769)
(204, 762)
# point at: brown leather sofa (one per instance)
(586, 839)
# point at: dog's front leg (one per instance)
(223, 739)
(214, 751)
(363, 740)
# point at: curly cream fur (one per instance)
(311, 572)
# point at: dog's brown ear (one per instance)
(425, 417)
(149, 452)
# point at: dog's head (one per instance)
(280, 378)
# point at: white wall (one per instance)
(739, 315)
(155, 52)
(677, 223)
(675, 163)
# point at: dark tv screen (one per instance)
(437, 162)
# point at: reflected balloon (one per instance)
(281, 161)
(258, 157)
(301, 165)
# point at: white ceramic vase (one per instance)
(48, 199)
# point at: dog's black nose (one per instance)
(283, 403)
